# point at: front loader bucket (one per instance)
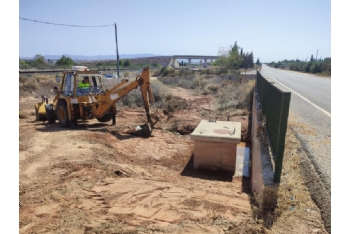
(40, 112)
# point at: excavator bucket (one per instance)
(144, 130)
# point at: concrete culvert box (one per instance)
(215, 145)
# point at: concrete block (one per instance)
(215, 145)
(262, 186)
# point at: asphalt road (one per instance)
(310, 112)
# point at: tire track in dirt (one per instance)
(145, 200)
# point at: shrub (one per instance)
(40, 84)
(134, 98)
(234, 95)
(245, 94)
(29, 85)
(214, 88)
(316, 67)
(199, 82)
(160, 91)
(170, 80)
(187, 83)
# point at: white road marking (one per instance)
(319, 108)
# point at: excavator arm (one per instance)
(107, 99)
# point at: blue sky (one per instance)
(273, 30)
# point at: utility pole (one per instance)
(116, 42)
(316, 55)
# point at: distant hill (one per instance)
(99, 57)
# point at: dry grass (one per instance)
(36, 84)
(233, 95)
(160, 93)
(293, 197)
(211, 88)
(23, 115)
(229, 93)
(280, 206)
(303, 128)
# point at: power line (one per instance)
(37, 21)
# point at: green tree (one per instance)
(65, 61)
(307, 67)
(39, 61)
(248, 61)
(23, 65)
(257, 62)
(229, 58)
(251, 60)
(326, 66)
(316, 67)
(127, 63)
(235, 60)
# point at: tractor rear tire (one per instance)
(62, 114)
(105, 118)
(50, 113)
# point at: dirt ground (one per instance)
(97, 178)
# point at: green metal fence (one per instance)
(275, 108)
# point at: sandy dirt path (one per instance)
(96, 178)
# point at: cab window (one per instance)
(68, 85)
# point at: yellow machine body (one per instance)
(70, 104)
(40, 111)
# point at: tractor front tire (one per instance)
(50, 113)
(62, 114)
(105, 118)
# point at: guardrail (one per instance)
(275, 108)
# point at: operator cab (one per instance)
(72, 80)
(86, 83)
(94, 81)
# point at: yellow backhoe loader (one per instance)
(74, 101)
